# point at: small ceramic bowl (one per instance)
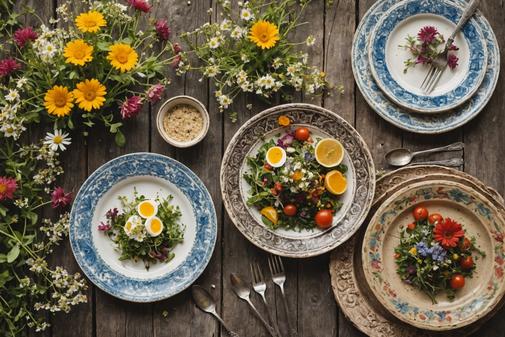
(182, 100)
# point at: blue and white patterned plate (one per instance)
(402, 118)
(151, 174)
(386, 56)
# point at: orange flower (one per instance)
(284, 120)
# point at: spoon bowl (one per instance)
(203, 299)
(399, 157)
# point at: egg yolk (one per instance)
(128, 226)
(155, 225)
(275, 155)
(146, 209)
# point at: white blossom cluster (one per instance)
(55, 232)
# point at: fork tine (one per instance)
(252, 272)
(435, 81)
(270, 265)
(262, 279)
(428, 76)
(281, 265)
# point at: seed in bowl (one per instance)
(183, 123)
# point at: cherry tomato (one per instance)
(435, 217)
(420, 213)
(302, 134)
(467, 262)
(274, 191)
(457, 281)
(411, 226)
(290, 210)
(396, 255)
(465, 244)
(278, 186)
(324, 218)
(267, 167)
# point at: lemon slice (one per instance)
(335, 182)
(329, 152)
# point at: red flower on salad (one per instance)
(448, 233)
(452, 61)
(427, 34)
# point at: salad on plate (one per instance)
(296, 179)
(144, 229)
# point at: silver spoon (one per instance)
(242, 290)
(206, 302)
(454, 162)
(402, 157)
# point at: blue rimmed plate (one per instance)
(403, 118)
(386, 56)
(151, 175)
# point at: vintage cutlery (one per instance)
(279, 277)
(206, 302)
(439, 64)
(455, 162)
(402, 157)
(260, 287)
(241, 289)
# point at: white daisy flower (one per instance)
(225, 25)
(8, 129)
(246, 15)
(57, 140)
(266, 81)
(21, 82)
(237, 33)
(224, 101)
(214, 43)
(211, 71)
(12, 96)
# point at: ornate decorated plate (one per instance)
(353, 296)
(480, 218)
(151, 175)
(403, 118)
(386, 55)
(356, 200)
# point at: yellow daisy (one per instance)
(90, 22)
(122, 57)
(89, 94)
(78, 52)
(264, 34)
(58, 101)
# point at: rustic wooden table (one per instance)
(308, 284)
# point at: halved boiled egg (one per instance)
(276, 156)
(154, 226)
(147, 208)
(131, 223)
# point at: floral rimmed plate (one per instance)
(405, 119)
(354, 297)
(357, 201)
(480, 219)
(151, 175)
(404, 88)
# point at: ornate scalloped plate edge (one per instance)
(256, 233)
(355, 298)
(175, 281)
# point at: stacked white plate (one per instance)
(378, 65)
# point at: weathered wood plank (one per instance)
(484, 139)
(184, 319)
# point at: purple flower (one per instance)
(154, 93)
(131, 107)
(427, 34)
(438, 253)
(24, 35)
(112, 213)
(285, 140)
(307, 156)
(411, 269)
(177, 48)
(162, 29)
(452, 61)
(104, 227)
(421, 59)
(59, 198)
(140, 5)
(423, 249)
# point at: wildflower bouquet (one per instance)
(100, 67)
(435, 254)
(425, 48)
(144, 229)
(253, 53)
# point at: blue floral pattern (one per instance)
(102, 180)
(419, 123)
(405, 98)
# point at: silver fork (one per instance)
(439, 64)
(279, 277)
(260, 287)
